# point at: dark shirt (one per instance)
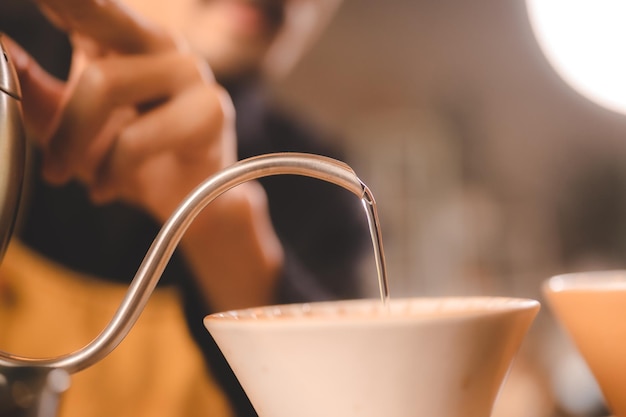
(322, 227)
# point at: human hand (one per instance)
(140, 119)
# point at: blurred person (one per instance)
(161, 95)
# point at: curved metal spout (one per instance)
(161, 250)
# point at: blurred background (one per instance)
(487, 167)
(491, 173)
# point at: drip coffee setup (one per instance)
(435, 356)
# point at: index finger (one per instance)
(109, 23)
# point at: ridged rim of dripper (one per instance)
(370, 311)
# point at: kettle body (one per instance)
(12, 147)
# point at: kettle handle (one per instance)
(12, 148)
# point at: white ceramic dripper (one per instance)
(435, 357)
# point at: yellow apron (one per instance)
(157, 370)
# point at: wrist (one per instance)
(234, 251)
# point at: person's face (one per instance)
(234, 35)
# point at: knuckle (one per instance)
(126, 139)
(226, 103)
(217, 102)
(95, 79)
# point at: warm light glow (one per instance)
(585, 41)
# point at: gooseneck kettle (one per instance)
(42, 380)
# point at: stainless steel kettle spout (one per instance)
(31, 371)
(12, 148)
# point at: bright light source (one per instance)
(585, 41)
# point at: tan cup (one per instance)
(592, 308)
(435, 357)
